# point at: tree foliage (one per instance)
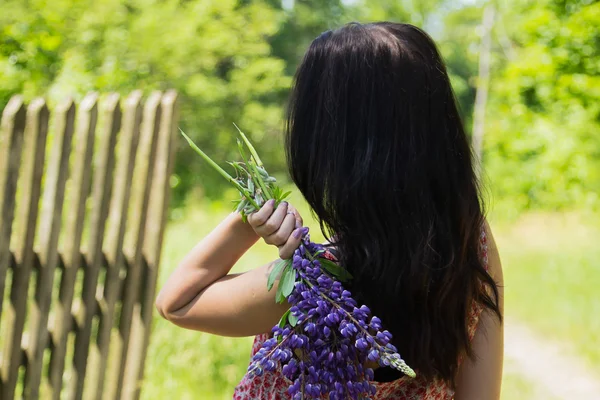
(214, 52)
(233, 61)
(543, 139)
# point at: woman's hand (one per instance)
(281, 227)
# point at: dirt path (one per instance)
(547, 365)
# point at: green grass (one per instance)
(515, 387)
(551, 273)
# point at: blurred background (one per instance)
(526, 74)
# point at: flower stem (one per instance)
(253, 173)
(220, 170)
(252, 149)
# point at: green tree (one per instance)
(543, 144)
(216, 53)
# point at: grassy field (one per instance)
(552, 275)
(551, 271)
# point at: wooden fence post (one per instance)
(11, 140)
(135, 240)
(100, 201)
(80, 189)
(155, 226)
(52, 210)
(113, 244)
(13, 126)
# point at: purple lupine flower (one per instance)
(322, 350)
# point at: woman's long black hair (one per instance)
(376, 145)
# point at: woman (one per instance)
(376, 145)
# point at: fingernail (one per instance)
(297, 233)
(271, 202)
(284, 203)
(305, 230)
(298, 224)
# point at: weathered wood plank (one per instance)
(24, 255)
(11, 141)
(155, 226)
(101, 193)
(139, 207)
(113, 245)
(51, 220)
(36, 129)
(71, 255)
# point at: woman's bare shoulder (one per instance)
(494, 262)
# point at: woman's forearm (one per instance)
(208, 261)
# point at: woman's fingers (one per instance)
(281, 226)
(287, 250)
(281, 235)
(299, 222)
(274, 222)
(261, 216)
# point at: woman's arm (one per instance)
(481, 379)
(200, 294)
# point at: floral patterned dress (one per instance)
(273, 385)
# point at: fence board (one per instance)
(80, 189)
(52, 211)
(139, 207)
(155, 226)
(113, 245)
(35, 127)
(101, 193)
(11, 140)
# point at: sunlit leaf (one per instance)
(335, 270)
(292, 320)
(286, 194)
(284, 319)
(276, 272)
(288, 280)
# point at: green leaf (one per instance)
(284, 319)
(288, 280)
(292, 319)
(286, 194)
(275, 272)
(335, 270)
(279, 297)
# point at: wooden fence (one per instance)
(78, 270)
